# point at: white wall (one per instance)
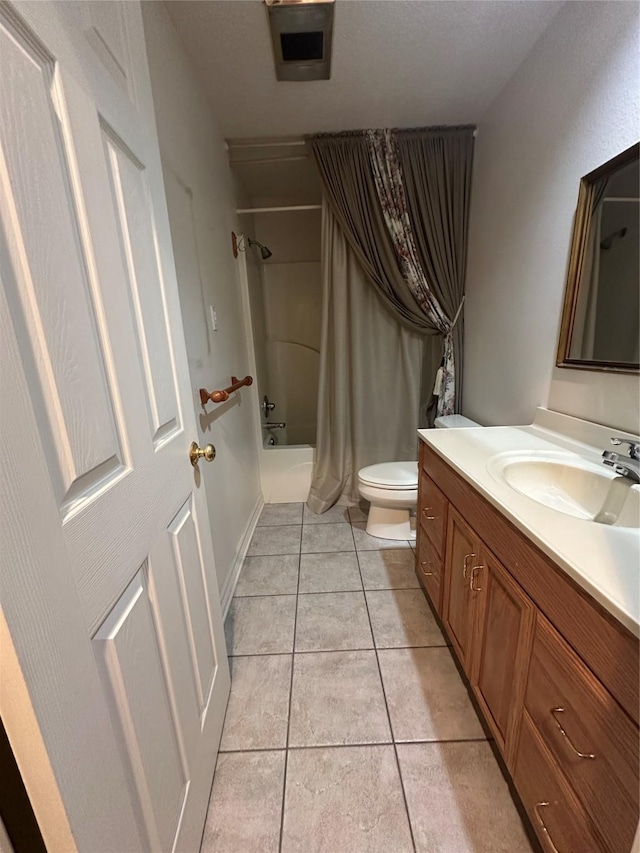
(202, 204)
(292, 237)
(572, 105)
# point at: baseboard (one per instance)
(234, 574)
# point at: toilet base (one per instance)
(389, 523)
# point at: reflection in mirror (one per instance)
(601, 321)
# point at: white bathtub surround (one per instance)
(601, 558)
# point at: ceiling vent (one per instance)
(301, 32)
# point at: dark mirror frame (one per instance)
(579, 242)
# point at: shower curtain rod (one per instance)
(255, 160)
(279, 209)
(289, 143)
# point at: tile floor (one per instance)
(348, 727)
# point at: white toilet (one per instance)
(392, 490)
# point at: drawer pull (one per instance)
(474, 570)
(543, 827)
(423, 563)
(426, 512)
(465, 566)
(555, 711)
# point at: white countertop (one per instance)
(604, 560)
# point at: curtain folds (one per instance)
(395, 216)
(437, 166)
(369, 376)
(402, 198)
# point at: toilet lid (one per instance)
(391, 475)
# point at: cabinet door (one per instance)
(429, 571)
(463, 553)
(501, 648)
(558, 819)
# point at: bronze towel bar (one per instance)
(221, 396)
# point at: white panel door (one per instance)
(108, 584)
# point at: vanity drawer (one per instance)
(577, 718)
(557, 817)
(429, 569)
(433, 513)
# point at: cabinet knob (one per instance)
(426, 512)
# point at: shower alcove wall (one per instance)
(278, 193)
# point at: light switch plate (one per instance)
(213, 318)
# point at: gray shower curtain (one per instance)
(370, 368)
(431, 175)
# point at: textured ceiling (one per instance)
(395, 62)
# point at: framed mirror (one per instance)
(600, 327)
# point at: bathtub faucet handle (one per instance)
(267, 406)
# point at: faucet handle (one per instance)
(634, 446)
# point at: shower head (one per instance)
(606, 244)
(265, 253)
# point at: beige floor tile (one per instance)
(258, 708)
(388, 569)
(458, 800)
(269, 575)
(332, 620)
(426, 696)
(279, 514)
(267, 541)
(330, 572)
(402, 617)
(337, 698)
(332, 515)
(320, 538)
(364, 542)
(259, 626)
(344, 800)
(246, 803)
(359, 513)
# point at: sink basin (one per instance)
(571, 485)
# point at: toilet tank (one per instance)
(454, 422)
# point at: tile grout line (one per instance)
(324, 592)
(386, 704)
(355, 744)
(331, 651)
(293, 663)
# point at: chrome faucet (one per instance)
(267, 406)
(625, 466)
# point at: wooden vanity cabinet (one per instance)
(462, 559)
(555, 676)
(502, 637)
(431, 536)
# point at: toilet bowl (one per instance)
(392, 490)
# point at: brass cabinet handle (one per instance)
(196, 453)
(474, 570)
(426, 512)
(555, 711)
(465, 566)
(423, 563)
(542, 825)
